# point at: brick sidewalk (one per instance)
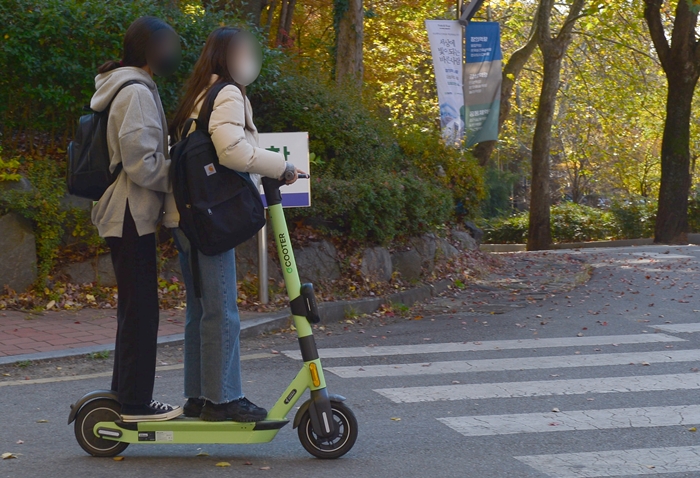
(27, 333)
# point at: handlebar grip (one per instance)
(289, 175)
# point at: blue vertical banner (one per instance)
(483, 77)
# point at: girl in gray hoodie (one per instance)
(131, 208)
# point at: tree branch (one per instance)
(519, 58)
(568, 26)
(652, 15)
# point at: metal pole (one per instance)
(263, 282)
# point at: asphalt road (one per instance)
(601, 381)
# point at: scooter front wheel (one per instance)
(92, 413)
(338, 444)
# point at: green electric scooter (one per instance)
(327, 428)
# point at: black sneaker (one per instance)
(241, 410)
(193, 407)
(153, 412)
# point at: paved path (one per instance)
(26, 333)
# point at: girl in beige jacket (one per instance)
(213, 385)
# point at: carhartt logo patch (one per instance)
(210, 169)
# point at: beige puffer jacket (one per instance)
(236, 144)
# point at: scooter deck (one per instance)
(190, 430)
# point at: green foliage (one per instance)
(8, 169)
(694, 211)
(635, 217)
(41, 205)
(377, 207)
(343, 133)
(51, 50)
(570, 223)
(508, 230)
(101, 355)
(577, 223)
(499, 188)
(455, 170)
(373, 185)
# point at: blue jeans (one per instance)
(212, 326)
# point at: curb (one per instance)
(329, 311)
(693, 239)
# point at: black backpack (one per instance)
(88, 155)
(219, 208)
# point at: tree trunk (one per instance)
(672, 215)
(553, 49)
(285, 23)
(349, 66)
(539, 229)
(680, 60)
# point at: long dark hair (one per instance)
(136, 41)
(213, 60)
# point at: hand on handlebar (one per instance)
(292, 174)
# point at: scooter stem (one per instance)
(320, 408)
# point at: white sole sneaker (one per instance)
(158, 417)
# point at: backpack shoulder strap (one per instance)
(208, 104)
(119, 166)
(128, 83)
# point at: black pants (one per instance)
(134, 260)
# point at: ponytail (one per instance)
(109, 66)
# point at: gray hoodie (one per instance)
(137, 136)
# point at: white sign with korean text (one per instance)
(295, 148)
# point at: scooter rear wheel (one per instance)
(101, 410)
(336, 445)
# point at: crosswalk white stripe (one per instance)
(346, 352)
(679, 328)
(480, 391)
(643, 461)
(484, 425)
(522, 363)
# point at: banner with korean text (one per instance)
(482, 82)
(446, 46)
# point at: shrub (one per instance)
(346, 138)
(508, 230)
(570, 223)
(454, 169)
(577, 223)
(376, 208)
(499, 188)
(635, 217)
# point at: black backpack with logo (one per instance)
(219, 208)
(88, 155)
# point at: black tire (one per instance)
(100, 410)
(333, 447)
